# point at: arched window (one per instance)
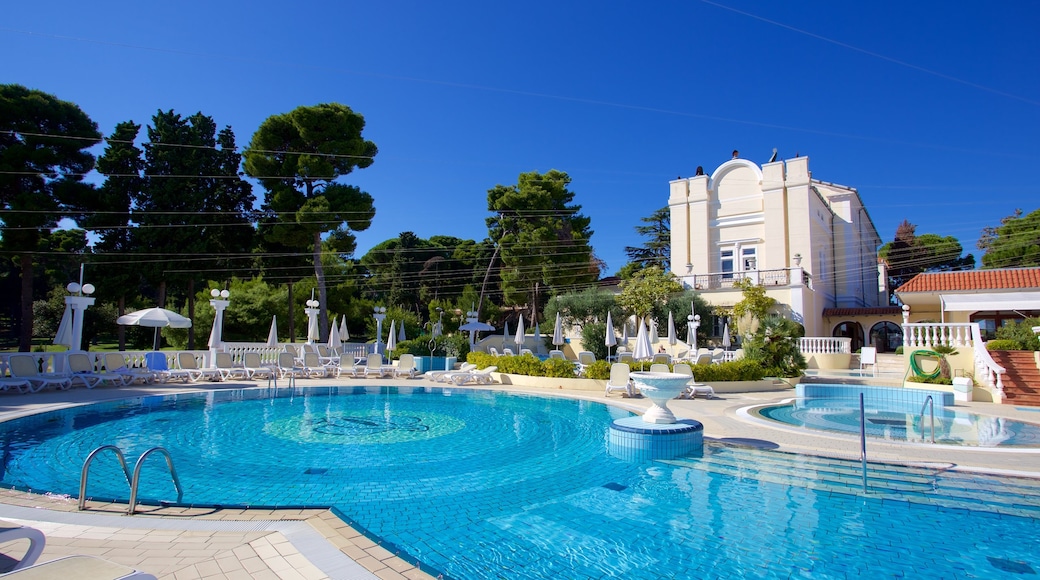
(886, 336)
(850, 329)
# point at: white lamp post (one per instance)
(693, 323)
(379, 314)
(312, 319)
(78, 303)
(219, 302)
(906, 331)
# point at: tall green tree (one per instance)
(657, 249)
(647, 290)
(910, 254)
(44, 153)
(543, 239)
(1015, 243)
(298, 158)
(121, 163)
(195, 210)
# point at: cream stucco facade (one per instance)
(810, 243)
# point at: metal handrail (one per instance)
(137, 477)
(931, 406)
(86, 470)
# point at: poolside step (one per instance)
(1022, 379)
(931, 486)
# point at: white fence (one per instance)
(930, 334)
(824, 345)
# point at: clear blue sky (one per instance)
(931, 109)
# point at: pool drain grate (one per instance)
(316, 471)
(1012, 566)
(615, 486)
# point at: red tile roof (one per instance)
(863, 311)
(1003, 279)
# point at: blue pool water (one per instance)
(895, 414)
(478, 484)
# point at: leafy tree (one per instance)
(1015, 243)
(44, 151)
(583, 308)
(647, 290)
(195, 210)
(542, 238)
(121, 164)
(910, 254)
(753, 306)
(656, 251)
(298, 158)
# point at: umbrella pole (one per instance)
(155, 339)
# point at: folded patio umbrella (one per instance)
(272, 337)
(611, 339)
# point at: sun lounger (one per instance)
(81, 370)
(441, 376)
(10, 532)
(188, 370)
(480, 377)
(406, 366)
(287, 366)
(23, 366)
(619, 380)
(22, 385)
(692, 388)
(374, 366)
(116, 364)
(254, 368)
(80, 568)
(312, 367)
(226, 369)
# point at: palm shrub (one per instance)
(944, 350)
(775, 347)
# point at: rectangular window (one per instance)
(727, 265)
(749, 259)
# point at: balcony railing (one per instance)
(809, 345)
(724, 280)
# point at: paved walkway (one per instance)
(183, 543)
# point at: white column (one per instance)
(216, 339)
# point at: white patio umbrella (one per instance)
(624, 332)
(642, 350)
(519, 338)
(537, 335)
(272, 337)
(313, 335)
(725, 336)
(344, 336)
(156, 318)
(64, 335)
(505, 333)
(611, 338)
(334, 342)
(672, 340)
(401, 337)
(391, 339)
(691, 337)
(652, 331)
(558, 339)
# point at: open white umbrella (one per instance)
(344, 336)
(519, 338)
(725, 336)
(558, 339)
(642, 350)
(391, 338)
(401, 337)
(272, 337)
(476, 326)
(611, 338)
(155, 318)
(64, 335)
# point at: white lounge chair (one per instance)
(287, 366)
(226, 369)
(406, 366)
(22, 385)
(374, 366)
(312, 366)
(115, 364)
(480, 377)
(585, 358)
(188, 370)
(508, 352)
(328, 356)
(23, 366)
(692, 388)
(619, 380)
(441, 376)
(255, 368)
(663, 358)
(493, 351)
(703, 358)
(625, 357)
(80, 568)
(81, 370)
(10, 532)
(557, 354)
(524, 351)
(660, 368)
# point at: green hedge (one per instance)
(598, 370)
(528, 365)
(1003, 344)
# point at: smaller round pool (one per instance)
(899, 422)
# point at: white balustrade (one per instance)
(992, 373)
(824, 345)
(929, 334)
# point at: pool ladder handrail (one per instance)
(134, 480)
(930, 405)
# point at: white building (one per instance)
(811, 243)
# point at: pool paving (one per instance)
(187, 543)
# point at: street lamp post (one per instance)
(78, 303)
(379, 313)
(219, 303)
(693, 323)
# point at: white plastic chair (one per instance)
(619, 380)
(868, 356)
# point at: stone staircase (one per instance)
(1022, 380)
(889, 373)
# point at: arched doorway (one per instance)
(886, 336)
(850, 329)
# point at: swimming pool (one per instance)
(479, 484)
(895, 414)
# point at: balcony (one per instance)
(727, 280)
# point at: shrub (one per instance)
(930, 380)
(482, 359)
(555, 367)
(775, 346)
(524, 364)
(1003, 344)
(738, 370)
(899, 349)
(593, 337)
(598, 370)
(1022, 333)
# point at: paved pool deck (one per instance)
(203, 543)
